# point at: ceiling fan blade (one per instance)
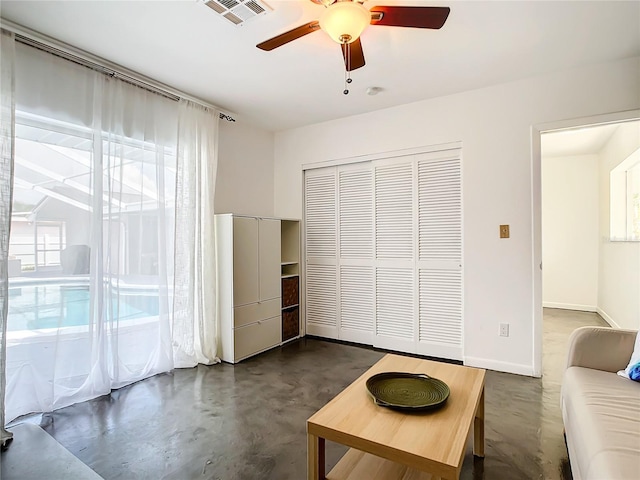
(416, 17)
(289, 36)
(357, 55)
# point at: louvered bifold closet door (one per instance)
(356, 242)
(395, 266)
(440, 255)
(321, 253)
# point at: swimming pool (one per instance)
(47, 305)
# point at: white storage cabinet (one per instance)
(249, 304)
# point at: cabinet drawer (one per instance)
(256, 337)
(253, 312)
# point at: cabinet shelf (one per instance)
(290, 278)
(289, 269)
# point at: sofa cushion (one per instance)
(601, 413)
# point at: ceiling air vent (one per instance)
(238, 11)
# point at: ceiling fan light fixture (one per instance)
(344, 21)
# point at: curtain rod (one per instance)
(60, 49)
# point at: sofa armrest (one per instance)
(601, 348)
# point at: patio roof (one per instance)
(56, 162)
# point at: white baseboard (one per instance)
(570, 306)
(607, 318)
(507, 367)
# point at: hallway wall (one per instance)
(619, 265)
(570, 232)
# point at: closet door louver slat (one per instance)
(320, 214)
(394, 308)
(321, 295)
(440, 306)
(440, 211)
(357, 303)
(356, 213)
(394, 211)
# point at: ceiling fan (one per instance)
(345, 20)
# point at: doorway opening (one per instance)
(591, 273)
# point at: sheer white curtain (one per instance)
(90, 304)
(6, 183)
(195, 321)
(134, 267)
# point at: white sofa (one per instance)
(600, 409)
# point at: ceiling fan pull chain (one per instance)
(347, 71)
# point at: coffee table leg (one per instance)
(478, 428)
(315, 458)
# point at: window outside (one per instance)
(625, 199)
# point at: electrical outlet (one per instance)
(504, 329)
(504, 231)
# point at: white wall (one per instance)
(77, 221)
(619, 269)
(244, 183)
(570, 232)
(494, 125)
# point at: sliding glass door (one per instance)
(90, 274)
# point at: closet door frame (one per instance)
(389, 158)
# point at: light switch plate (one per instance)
(504, 231)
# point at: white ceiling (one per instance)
(579, 141)
(184, 44)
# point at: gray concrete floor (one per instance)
(247, 422)
(36, 455)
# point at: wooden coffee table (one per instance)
(387, 444)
